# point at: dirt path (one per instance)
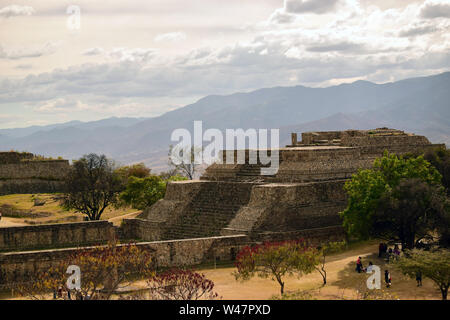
(118, 220)
(10, 222)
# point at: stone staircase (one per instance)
(211, 211)
(252, 172)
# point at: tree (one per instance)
(411, 212)
(141, 193)
(165, 175)
(182, 159)
(276, 260)
(440, 159)
(104, 269)
(368, 190)
(434, 265)
(138, 170)
(324, 251)
(91, 186)
(177, 284)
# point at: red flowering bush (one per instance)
(177, 284)
(276, 260)
(104, 269)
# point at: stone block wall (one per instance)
(19, 173)
(21, 266)
(55, 235)
(14, 157)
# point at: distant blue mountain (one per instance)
(419, 105)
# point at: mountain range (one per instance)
(419, 105)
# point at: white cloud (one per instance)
(29, 52)
(171, 37)
(435, 9)
(93, 51)
(123, 54)
(339, 45)
(16, 10)
(310, 6)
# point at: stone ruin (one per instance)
(23, 172)
(303, 198)
(210, 219)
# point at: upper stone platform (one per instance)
(322, 156)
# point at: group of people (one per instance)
(360, 268)
(388, 253)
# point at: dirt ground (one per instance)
(343, 281)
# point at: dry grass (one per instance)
(53, 211)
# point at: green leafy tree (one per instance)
(377, 199)
(440, 159)
(141, 193)
(324, 251)
(434, 265)
(91, 186)
(138, 170)
(276, 260)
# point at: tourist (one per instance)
(369, 267)
(419, 278)
(380, 249)
(359, 265)
(396, 252)
(389, 255)
(387, 278)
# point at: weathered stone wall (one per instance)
(19, 173)
(55, 235)
(286, 207)
(14, 157)
(30, 186)
(20, 266)
(35, 169)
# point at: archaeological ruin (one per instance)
(305, 195)
(210, 219)
(23, 172)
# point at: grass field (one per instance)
(27, 213)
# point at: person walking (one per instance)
(387, 278)
(380, 249)
(419, 278)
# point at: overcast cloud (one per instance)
(134, 59)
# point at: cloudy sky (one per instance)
(143, 58)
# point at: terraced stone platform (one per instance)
(306, 193)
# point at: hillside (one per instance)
(419, 105)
